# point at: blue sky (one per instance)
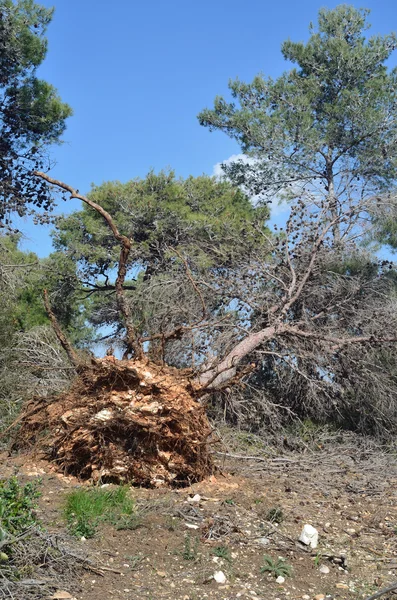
(137, 73)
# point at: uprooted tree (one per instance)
(309, 300)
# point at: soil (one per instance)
(348, 492)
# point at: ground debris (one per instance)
(122, 421)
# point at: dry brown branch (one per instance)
(66, 345)
(132, 341)
(193, 283)
(383, 591)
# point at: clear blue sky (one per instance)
(136, 74)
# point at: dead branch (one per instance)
(66, 345)
(383, 591)
(193, 283)
(132, 341)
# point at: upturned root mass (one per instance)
(123, 421)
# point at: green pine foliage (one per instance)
(329, 120)
(32, 115)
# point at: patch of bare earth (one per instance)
(348, 492)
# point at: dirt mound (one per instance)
(123, 421)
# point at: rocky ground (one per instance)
(211, 540)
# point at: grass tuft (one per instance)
(86, 508)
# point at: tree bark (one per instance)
(218, 375)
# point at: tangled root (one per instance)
(123, 421)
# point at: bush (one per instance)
(17, 516)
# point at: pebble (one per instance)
(342, 586)
(263, 541)
(324, 569)
(319, 597)
(195, 498)
(219, 577)
(280, 579)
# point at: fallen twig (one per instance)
(383, 591)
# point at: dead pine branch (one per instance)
(383, 591)
(66, 345)
(133, 344)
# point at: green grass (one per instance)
(86, 508)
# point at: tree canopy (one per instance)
(211, 223)
(32, 116)
(326, 127)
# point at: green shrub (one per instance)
(17, 506)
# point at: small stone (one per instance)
(161, 573)
(324, 569)
(195, 498)
(191, 526)
(61, 595)
(263, 541)
(219, 577)
(342, 586)
(280, 579)
(83, 539)
(319, 597)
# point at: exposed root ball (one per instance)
(123, 421)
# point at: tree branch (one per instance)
(132, 341)
(66, 345)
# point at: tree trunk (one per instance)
(218, 375)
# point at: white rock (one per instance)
(215, 559)
(309, 536)
(280, 579)
(219, 577)
(263, 541)
(195, 498)
(191, 526)
(324, 569)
